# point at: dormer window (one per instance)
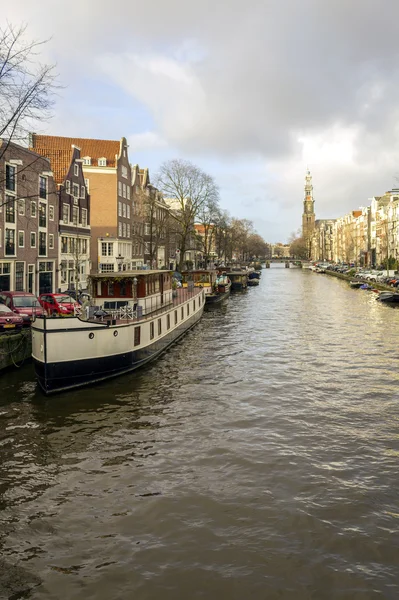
(76, 169)
(102, 162)
(86, 160)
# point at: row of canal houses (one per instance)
(71, 206)
(366, 237)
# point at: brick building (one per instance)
(29, 208)
(107, 175)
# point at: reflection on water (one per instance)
(258, 458)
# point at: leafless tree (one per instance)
(187, 189)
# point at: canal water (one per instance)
(257, 459)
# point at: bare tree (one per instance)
(187, 189)
(27, 88)
(207, 216)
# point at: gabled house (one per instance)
(29, 210)
(107, 175)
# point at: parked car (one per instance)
(58, 304)
(9, 319)
(22, 303)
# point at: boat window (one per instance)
(188, 309)
(182, 312)
(110, 288)
(152, 330)
(175, 317)
(137, 332)
(193, 304)
(167, 321)
(159, 326)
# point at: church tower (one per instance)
(308, 217)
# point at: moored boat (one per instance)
(137, 317)
(220, 292)
(239, 279)
(253, 281)
(356, 284)
(388, 297)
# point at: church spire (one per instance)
(308, 216)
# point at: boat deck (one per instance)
(128, 314)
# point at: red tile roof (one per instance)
(59, 150)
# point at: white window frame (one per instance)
(68, 186)
(84, 217)
(128, 192)
(76, 169)
(23, 238)
(68, 213)
(51, 212)
(33, 203)
(87, 160)
(30, 239)
(87, 183)
(82, 191)
(119, 208)
(124, 210)
(123, 229)
(51, 241)
(124, 190)
(120, 229)
(119, 188)
(128, 211)
(102, 162)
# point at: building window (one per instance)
(120, 188)
(21, 207)
(124, 169)
(75, 215)
(137, 336)
(75, 190)
(84, 217)
(42, 215)
(120, 229)
(147, 229)
(10, 178)
(33, 239)
(123, 229)
(84, 246)
(68, 186)
(10, 242)
(33, 209)
(51, 212)
(42, 243)
(51, 241)
(159, 326)
(43, 187)
(152, 330)
(76, 169)
(102, 162)
(124, 210)
(106, 268)
(64, 244)
(128, 192)
(124, 190)
(21, 239)
(65, 213)
(120, 208)
(87, 185)
(107, 249)
(10, 210)
(110, 288)
(128, 211)
(82, 191)
(127, 230)
(86, 160)
(19, 276)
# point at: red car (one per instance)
(22, 303)
(8, 319)
(58, 304)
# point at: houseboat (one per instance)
(202, 278)
(136, 318)
(239, 279)
(220, 292)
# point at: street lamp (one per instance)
(119, 260)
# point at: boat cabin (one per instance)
(146, 291)
(205, 278)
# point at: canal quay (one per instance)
(258, 458)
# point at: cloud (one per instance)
(263, 89)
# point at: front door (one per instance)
(4, 283)
(45, 283)
(31, 278)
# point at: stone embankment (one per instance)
(15, 348)
(377, 286)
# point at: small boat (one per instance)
(239, 279)
(388, 297)
(220, 292)
(253, 281)
(356, 284)
(254, 275)
(137, 317)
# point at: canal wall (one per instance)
(15, 349)
(377, 286)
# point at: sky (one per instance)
(253, 93)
